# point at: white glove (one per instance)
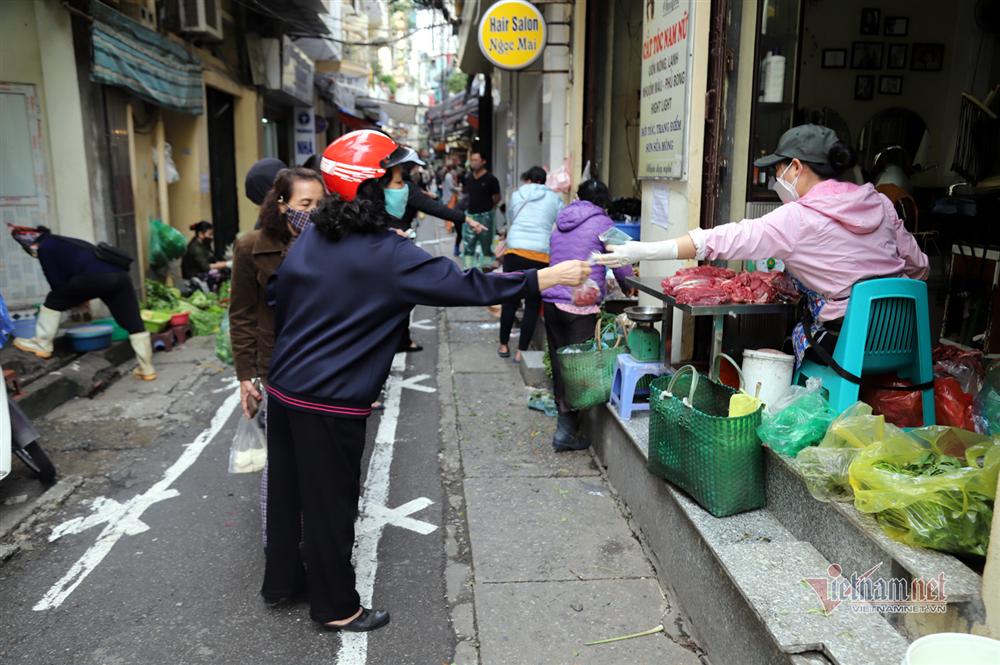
(633, 252)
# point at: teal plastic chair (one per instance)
(887, 329)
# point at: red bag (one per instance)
(952, 405)
(902, 409)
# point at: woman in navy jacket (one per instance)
(342, 296)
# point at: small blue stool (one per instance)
(628, 373)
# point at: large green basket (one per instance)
(694, 444)
(588, 370)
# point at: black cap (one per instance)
(807, 143)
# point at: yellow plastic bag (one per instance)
(932, 487)
(825, 466)
(742, 404)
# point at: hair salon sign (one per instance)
(512, 34)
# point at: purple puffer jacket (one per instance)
(575, 237)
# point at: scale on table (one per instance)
(644, 342)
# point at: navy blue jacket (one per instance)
(63, 259)
(341, 309)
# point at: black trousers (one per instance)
(563, 329)
(314, 480)
(113, 288)
(532, 304)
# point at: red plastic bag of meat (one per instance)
(902, 409)
(952, 405)
(587, 294)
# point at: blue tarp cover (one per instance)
(145, 62)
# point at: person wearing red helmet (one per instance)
(342, 297)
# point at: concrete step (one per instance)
(856, 542)
(743, 578)
(532, 369)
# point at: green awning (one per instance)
(143, 61)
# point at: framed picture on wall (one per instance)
(864, 87)
(870, 19)
(927, 58)
(890, 85)
(867, 55)
(897, 56)
(834, 58)
(896, 26)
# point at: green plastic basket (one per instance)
(588, 370)
(694, 444)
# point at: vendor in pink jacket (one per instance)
(830, 234)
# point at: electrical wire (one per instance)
(381, 42)
(260, 8)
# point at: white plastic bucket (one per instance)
(770, 369)
(953, 649)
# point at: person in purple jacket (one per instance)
(576, 236)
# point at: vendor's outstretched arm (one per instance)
(682, 248)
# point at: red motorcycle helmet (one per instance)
(355, 157)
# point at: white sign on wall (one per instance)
(305, 134)
(663, 106)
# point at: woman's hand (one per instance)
(401, 233)
(248, 390)
(567, 273)
(633, 252)
(474, 225)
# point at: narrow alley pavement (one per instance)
(485, 545)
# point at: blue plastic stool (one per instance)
(628, 373)
(887, 328)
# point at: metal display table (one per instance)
(652, 286)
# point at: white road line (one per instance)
(435, 241)
(125, 519)
(354, 646)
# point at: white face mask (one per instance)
(786, 190)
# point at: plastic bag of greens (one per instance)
(157, 255)
(825, 467)
(934, 488)
(796, 423)
(987, 404)
(223, 347)
(171, 242)
(248, 452)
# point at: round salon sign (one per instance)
(512, 34)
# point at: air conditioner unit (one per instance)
(201, 18)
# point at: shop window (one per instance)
(776, 55)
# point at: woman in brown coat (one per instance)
(257, 257)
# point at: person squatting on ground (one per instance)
(578, 228)
(342, 296)
(199, 263)
(77, 272)
(533, 211)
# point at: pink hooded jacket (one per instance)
(835, 235)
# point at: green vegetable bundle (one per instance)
(161, 297)
(933, 488)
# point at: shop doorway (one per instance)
(222, 166)
(23, 190)
(119, 171)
